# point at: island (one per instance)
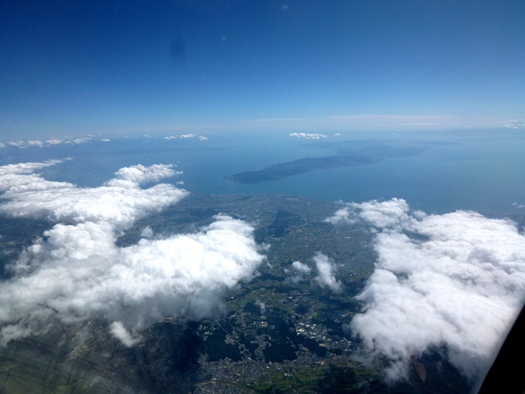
(299, 166)
(347, 154)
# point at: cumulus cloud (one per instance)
(51, 141)
(308, 136)
(118, 330)
(54, 141)
(453, 282)
(35, 143)
(343, 215)
(140, 174)
(261, 305)
(300, 267)
(77, 141)
(185, 137)
(76, 271)
(298, 273)
(119, 201)
(392, 213)
(326, 269)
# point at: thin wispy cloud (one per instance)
(386, 122)
(515, 124)
(332, 124)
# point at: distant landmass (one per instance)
(348, 154)
(283, 170)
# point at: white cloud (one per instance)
(35, 143)
(392, 213)
(77, 272)
(308, 136)
(261, 305)
(343, 215)
(457, 281)
(326, 269)
(140, 174)
(299, 272)
(119, 331)
(302, 268)
(54, 141)
(2, 145)
(325, 272)
(185, 137)
(515, 124)
(147, 232)
(119, 201)
(105, 140)
(79, 140)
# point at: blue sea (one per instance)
(480, 170)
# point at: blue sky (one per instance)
(124, 67)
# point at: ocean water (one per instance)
(478, 170)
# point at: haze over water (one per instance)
(474, 170)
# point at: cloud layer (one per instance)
(77, 272)
(454, 281)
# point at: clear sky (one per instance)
(107, 67)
